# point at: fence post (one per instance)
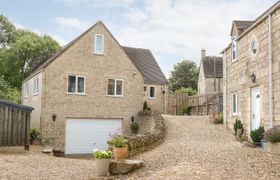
(207, 106)
(197, 103)
(27, 136)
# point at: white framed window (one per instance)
(36, 86)
(99, 44)
(26, 89)
(76, 84)
(152, 92)
(235, 103)
(234, 49)
(115, 87)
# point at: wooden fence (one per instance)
(202, 105)
(14, 124)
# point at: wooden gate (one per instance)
(14, 124)
(202, 105)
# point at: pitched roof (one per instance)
(146, 64)
(210, 66)
(141, 58)
(242, 25)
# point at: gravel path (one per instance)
(196, 149)
(193, 149)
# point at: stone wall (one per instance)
(140, 142)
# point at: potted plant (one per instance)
(102, 161)
(134, 127)
(186, 109)
(145, 106)
(239, 128)
(272, 136)
(257, 135)
(119, 147)
(219, 119)
(34, 135)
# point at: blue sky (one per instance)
(174, 30)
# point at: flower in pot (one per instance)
(239, 128)
(272, 136)
(219, 119)
(102, 161)
(257, 135)
(134, 127)
(34, 135)
(145, 106)
(119, 147)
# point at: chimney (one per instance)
(203, 53)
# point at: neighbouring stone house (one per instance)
(90, 89)
(210, 79)
(251, 72)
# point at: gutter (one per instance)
(270, 70)
(225, 89)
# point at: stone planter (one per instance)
(273, 148)
(102, 166)
(239, 132)
(264, 145)
(120, 153)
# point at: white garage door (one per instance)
(84, 135)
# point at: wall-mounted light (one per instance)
(132, 118)
(145, 88)
(54, 117)
(134, 73)
(162, 90)
(253, 78)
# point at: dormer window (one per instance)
(99, 44)
(234, 49)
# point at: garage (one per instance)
(84, 135)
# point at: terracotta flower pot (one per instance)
(239, 132)
(102, 166)
(119, 153)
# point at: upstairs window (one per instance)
(115, 87)
(26, 89)
(99, 44)
(152, 92)
(76, 84)
(234, 49)
(234, 104)
(36, 86)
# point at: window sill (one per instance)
(97, 54)
(235, 115)
(115, 96)
(152, 98)
(234, 61)
(77, 94)
(36, 94)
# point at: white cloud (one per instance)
(97, 3)
(181, 28)
(66, 23)
(59, 39)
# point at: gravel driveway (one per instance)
(193, 149)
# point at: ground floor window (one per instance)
(152, 92)
(235, 103)
(115, 87)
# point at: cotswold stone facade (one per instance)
(79, 58)
(210, 80)
(246, 72)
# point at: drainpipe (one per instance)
(215, 90)
(225, 89)
(165, 99)
(270, 71)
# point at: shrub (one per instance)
(102, 154)
(273, 134)
(145, 106)
(189, 91)
(186, 109)
(257, 134)
(34, 133)
(219, 120)
(119, 141)
(134, 126)
(237, 125)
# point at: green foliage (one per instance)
(102, 154)
(257, 134)
(185, 74)
(8, 93)
(145, 106)
(219, 120)
(186, 109)
(21, 51)
(119, 141)
(273, 134)
(134, 126)
(34, 133)
(237, 125)
(189, 91)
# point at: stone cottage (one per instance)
(90, 89)
(210, 80)
(251, 72)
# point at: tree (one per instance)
(21, 51)
(184, 75)
(189, 91)
(8, 93)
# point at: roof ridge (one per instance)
(135, 48)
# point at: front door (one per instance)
(256, 108)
